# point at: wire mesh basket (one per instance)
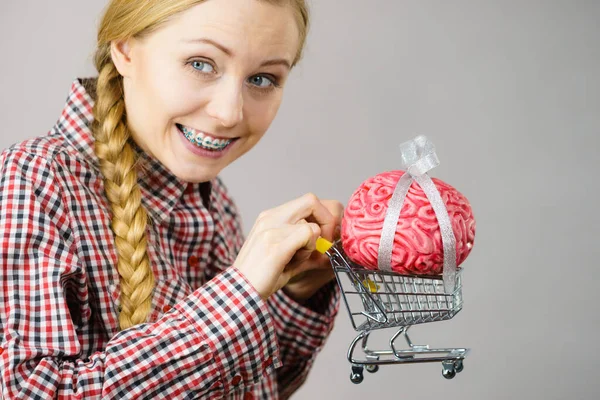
(378, 299)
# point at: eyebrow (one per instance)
(276, 61)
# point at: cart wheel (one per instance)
(449, 373)
(356, 376)
(372, 368)
(458, 366)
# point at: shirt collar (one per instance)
(160, 189)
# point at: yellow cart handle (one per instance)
(323, 245)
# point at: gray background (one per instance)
(508, 91)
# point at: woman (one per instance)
(124, 270)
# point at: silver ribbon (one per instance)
(418, 157)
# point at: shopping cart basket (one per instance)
(377, 300)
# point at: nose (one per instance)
(226, 104)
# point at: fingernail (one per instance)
(338, 231)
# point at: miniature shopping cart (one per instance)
(378, 299)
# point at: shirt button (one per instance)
(236, 380)
(193, 261)
(248, 396)
(166, 308)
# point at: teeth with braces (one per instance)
(199, 139)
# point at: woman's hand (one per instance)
(281, 242)
(303, 286)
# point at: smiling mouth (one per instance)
(203, 140)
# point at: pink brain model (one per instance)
(417, 243)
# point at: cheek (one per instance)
(166, 91)
(176, 99)
(261, 115)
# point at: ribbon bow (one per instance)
(418, 157)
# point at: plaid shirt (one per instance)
(209, 334)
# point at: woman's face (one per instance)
(216, 71)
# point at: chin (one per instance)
(195, 174)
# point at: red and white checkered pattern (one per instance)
(209, 334)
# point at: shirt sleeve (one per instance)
(204, 346)
(301, 330)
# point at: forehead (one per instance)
(244, 26)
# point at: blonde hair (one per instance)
(123, 19)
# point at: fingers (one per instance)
(294, 241)
(335, 208)
(337, 211)
(284, 238)
(265, 255)
(305, 282)
(307, 207)
(327, 213)
(330, 232)
(303, 237)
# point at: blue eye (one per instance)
(202, 67)
(262, 81)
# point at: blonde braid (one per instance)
(129, 218)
